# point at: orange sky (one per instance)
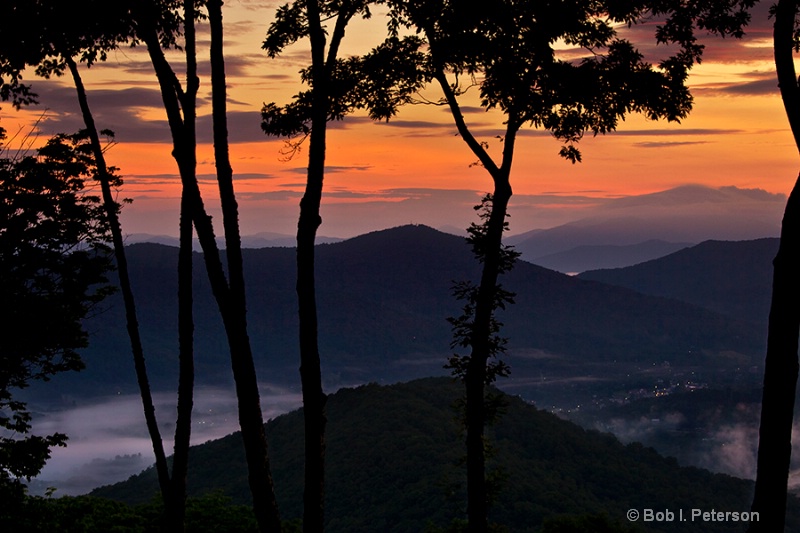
(737, 135)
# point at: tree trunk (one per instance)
(780, 377)
(179, 106)
(781, 366)
(251, 420)
(314, 398)
(476, 374)
(137, 350)
(176, 511)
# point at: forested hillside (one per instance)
(395, 458)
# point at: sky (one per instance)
(414, 169)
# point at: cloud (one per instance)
(755, 46)
(281, 195)
(332, 169)
(467, 109)
(668, 144)
(243, 127)
(63, 98)
(117, 110)
(649, 132)
(767, 85)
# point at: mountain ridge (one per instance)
(729, 277)
(383, 302)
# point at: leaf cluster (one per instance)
(291, 22)
(510, 50)
(53, 263)
(373, 82)
(378, 81)
(42, 33)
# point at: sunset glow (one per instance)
(736, 135)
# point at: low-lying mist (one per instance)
(108, 440)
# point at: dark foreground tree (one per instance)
(53, 262)
(338, 87)
(781, 366)
(56, 43)
(509, 52)
(156, 25)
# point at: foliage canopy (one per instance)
(53, 262)
(514, 54)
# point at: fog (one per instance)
(108, 440)
(728, 448)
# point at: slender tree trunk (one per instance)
(314, 398)
(781, 366)
(244, 373)
(111, 209)
(179, 106)
(176, 511)
(476, 374)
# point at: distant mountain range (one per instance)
(590, 257)
(584, 233)
(258, 240)
(731, 278)
(394, 463)
(383, 302)
(625, 231)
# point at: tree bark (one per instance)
(781, 366)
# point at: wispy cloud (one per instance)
(667, 144)
(334, 169)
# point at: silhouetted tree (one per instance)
(53, 42)
(781, 366)
(53, 263)
(338, 86)
(508, 51)
(180, 106)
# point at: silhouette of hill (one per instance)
(263, 239)
(394, 464)
(591, 257)
(384, 298)
(731, 278)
